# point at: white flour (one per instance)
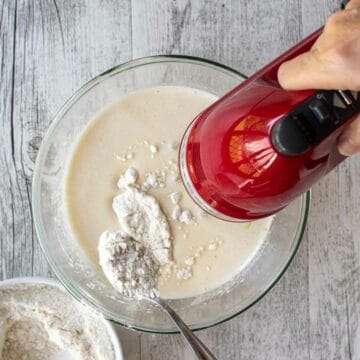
(43, 322)
(128, 265)
(153, 180)
(131, 258)
(140, 216)
(129, 177)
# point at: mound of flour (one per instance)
(141, 217)
(131, 257)
(128, 265)
(43, 322)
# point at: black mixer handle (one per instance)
(314, 120)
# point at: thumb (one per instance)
(305, 71)
(349, 141)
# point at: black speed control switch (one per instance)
(320, 111)
(304, 127)
(313, 120)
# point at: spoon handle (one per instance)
(201, 351)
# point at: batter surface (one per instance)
(142, 130)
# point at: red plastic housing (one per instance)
(229, 158)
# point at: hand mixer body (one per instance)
(259, 147)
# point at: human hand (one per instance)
(332, 63)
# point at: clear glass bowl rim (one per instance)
(36, 185)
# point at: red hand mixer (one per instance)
(259, 147)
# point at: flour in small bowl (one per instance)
(43, 322)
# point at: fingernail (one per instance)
(347, 146)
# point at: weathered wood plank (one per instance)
(130, 343)
(334, 266)
(243, 34)
(11, 204)
(334, 247)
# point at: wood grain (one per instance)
(8, 185)
(334, 253)
(51, 47)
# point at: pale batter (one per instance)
(142, 131)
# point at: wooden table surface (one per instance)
(49, 48)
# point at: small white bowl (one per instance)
(53, 282)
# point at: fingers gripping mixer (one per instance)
(259, 147)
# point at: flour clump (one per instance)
(140, 216)
(128, 178)
(131, 257)
(128, 265)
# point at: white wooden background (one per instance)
(49, 48)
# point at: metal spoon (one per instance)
(200, 350)
(118, 251)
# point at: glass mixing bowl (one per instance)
(68, 260)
